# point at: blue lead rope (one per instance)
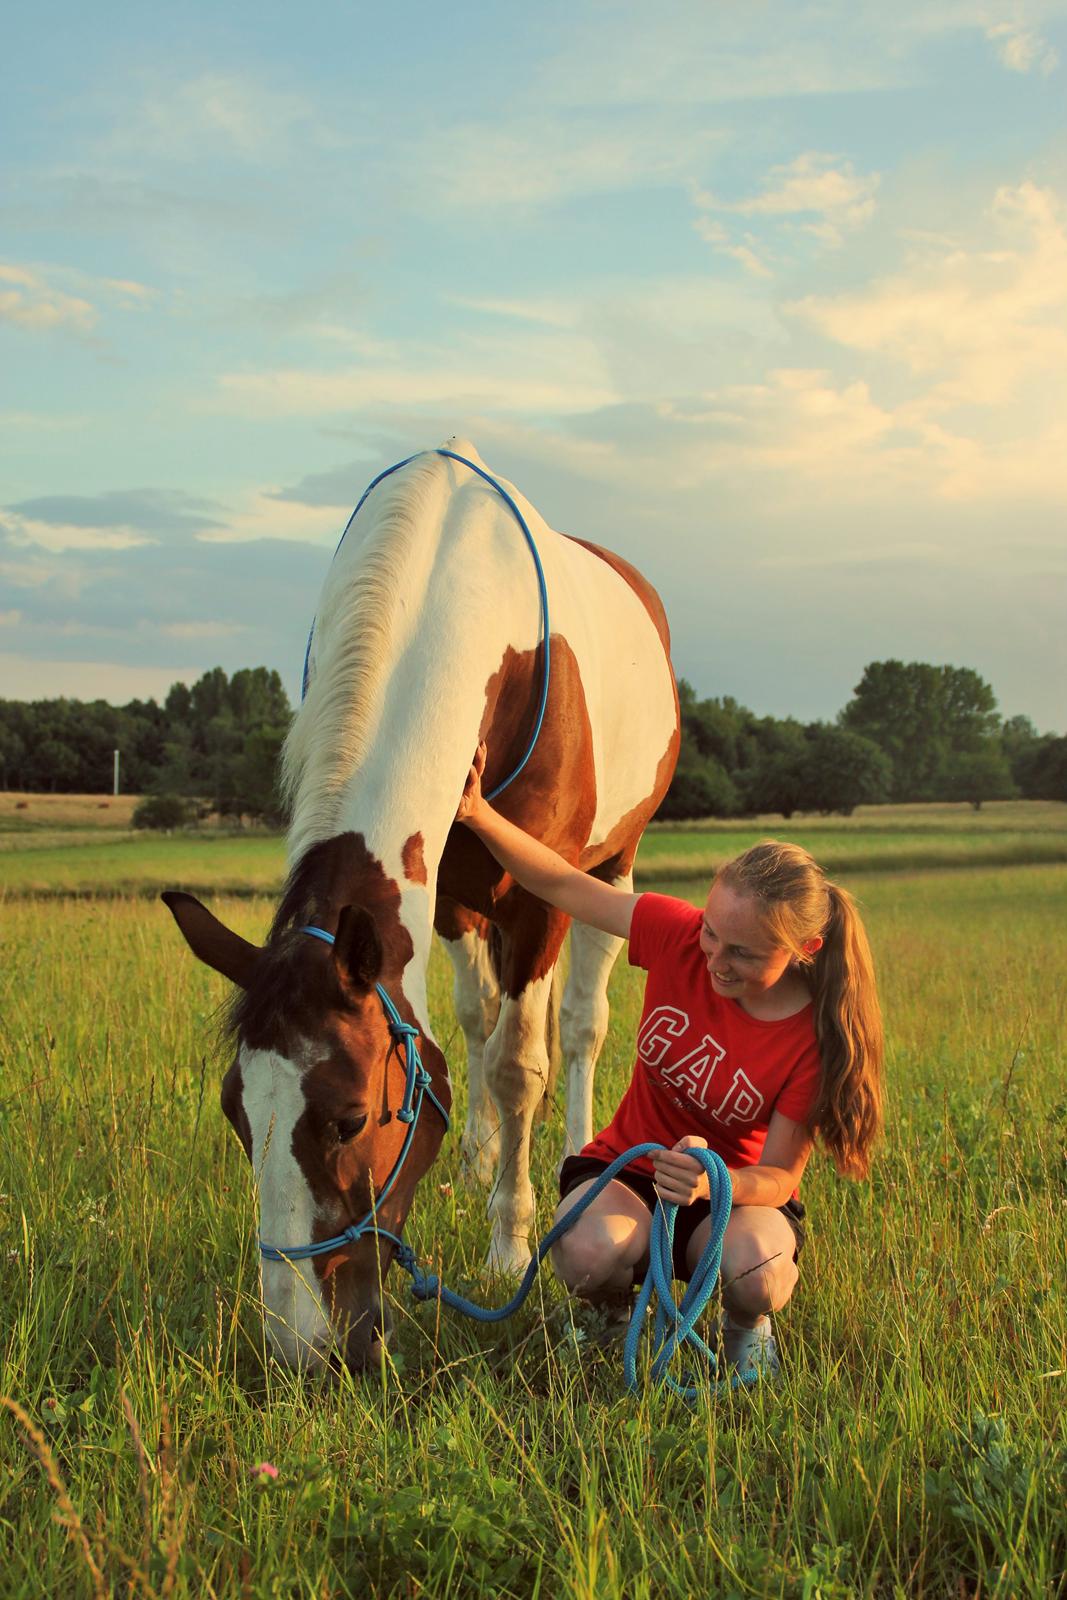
(542, 588)
(675, 1322)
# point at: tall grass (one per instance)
(916, 1445)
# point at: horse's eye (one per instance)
(348, 1127)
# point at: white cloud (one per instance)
(40, 298)
(528, 161)
(213, 113)
(974, 321)
(29, 301)
(1022, 50)
(715, 234)
(546, 313)
(265, 517)
(302, 392)
(195, 630)
(8, 619)
(58, 536)
(821, 194)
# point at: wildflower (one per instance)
(264, 1471)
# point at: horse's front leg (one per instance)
(516, 1070)
(476, 995)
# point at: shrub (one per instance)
(162, 811)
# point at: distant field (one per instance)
(25, 812)
(106, 860)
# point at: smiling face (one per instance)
(743, 964)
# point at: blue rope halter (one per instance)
(675, 1322)
(450, 455)
(416, 1086)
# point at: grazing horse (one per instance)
(428, 639)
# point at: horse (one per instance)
(428, 639)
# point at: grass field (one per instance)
(81, 858)
(916, 1446)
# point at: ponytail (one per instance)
(799, 905)
(848, 1026)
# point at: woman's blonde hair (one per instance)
(798, 904)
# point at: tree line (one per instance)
(910, 732)
(212, 747)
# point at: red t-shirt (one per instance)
(704, 1066)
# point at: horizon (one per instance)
(771, 301)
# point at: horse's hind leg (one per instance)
(584, 1020)
(476, 995)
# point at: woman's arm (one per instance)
(680, 1179)
(539, 868)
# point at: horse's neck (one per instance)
(383, 749)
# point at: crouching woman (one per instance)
(760, 1031)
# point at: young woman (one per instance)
(760, 1031)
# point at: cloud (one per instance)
(715, 234)
(976, 321)
(1022, 50)
(268, 514)
(32, 298)
(197, 630)
(823, 189)
(29, 301)
(570, 379)
(146, 513)
(214, 113)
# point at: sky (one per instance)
(771, 298)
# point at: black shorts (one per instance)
(579, 1169)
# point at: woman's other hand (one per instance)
(680, 1179)
(472, 798)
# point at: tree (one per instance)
(844, 770)
(979, 775)
(776, 782)
(1042, 772)
(923, 717)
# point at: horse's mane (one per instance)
(350, 651)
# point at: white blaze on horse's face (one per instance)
(296, 1318)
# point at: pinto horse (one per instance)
(428, 640)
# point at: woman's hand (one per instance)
(680, 1179)
(473, 798)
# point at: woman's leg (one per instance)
(599, 1255)
(758, 1271)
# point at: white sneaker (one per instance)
(751, 1349)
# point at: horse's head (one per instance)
(314, 1093)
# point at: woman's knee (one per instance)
(760, 1290)
(758, 1274)
(589, 1258)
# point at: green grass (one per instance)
(876, 839)
(917, 1445)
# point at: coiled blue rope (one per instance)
(675, 1322)
(542, 589)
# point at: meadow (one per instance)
(916, 1444)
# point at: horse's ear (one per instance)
(211, 940)
(357, 952)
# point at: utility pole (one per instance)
(116, 788)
